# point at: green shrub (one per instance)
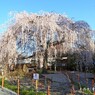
(41, 93)
(24, 92)
(40, 71)
(31, 93)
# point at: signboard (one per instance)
(36, 76)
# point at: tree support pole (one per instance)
(48, 90)
(2, 82)
(18, 92)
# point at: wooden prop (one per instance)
(48, 90)
(18, 87)
(2, 82)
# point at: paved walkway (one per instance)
(2, 92)
(6, 92)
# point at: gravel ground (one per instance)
(62, 81)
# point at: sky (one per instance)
(74, 9)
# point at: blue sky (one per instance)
(75, 9)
